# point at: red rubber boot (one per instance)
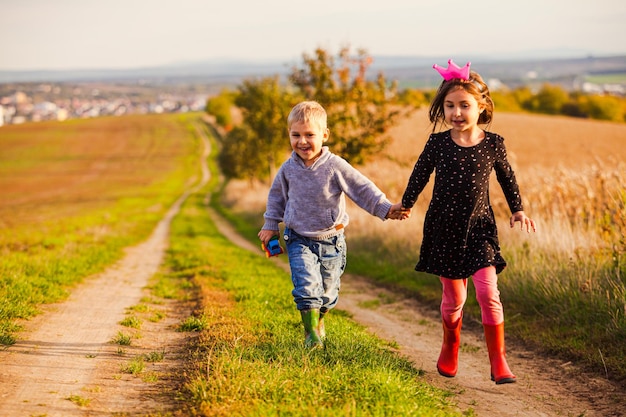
(448, 362)
(494, 337)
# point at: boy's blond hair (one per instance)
(308, 112)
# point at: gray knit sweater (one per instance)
(310, 200)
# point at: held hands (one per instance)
(525, 221)
(397, 212)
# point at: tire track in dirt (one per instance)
(66, 352)
(545, 387)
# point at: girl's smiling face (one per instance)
(461, 110)
(307, 140)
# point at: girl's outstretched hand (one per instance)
(525, 221)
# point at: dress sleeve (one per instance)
(506, 178)
(422, 170)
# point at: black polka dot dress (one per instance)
(460, 235)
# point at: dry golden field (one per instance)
(570, 172)
(572, 175)
(52, 170)
(564, 288)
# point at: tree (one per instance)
(505, 102)
(237, 158)
(550, 100)
(524, 97)
(604, 108)
(265, 106)
(220, 107)
(413, 97)
(360, 111)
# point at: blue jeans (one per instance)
(316, 269)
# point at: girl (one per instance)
(460, 236)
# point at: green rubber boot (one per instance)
(311, 321)
(321, 329)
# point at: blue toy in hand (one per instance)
(273, 247)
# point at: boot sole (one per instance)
(447, 375)
(506, 380)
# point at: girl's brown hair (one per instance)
(474, 86)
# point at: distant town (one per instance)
(75, 94)
(35, 102)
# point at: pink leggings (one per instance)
(487, 295)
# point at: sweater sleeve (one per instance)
(361, 189)
(276, 201)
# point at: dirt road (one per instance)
(545, 387)
(66, 366)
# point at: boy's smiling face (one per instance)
(307, 140)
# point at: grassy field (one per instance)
(73, 195)
(96, 186)
(249, 358)
(564, 290)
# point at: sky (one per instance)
(123, 34)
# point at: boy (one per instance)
(308, 196)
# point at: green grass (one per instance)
(122, 339)
(154, 357)
(247, 356)
(49, 245)
(570, 306)
(578, 308)
(193, 324)
(79, 400)
(131, 321)
(135, 367)
(250, 357)
(573, 308)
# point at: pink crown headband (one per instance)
(453, 71)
